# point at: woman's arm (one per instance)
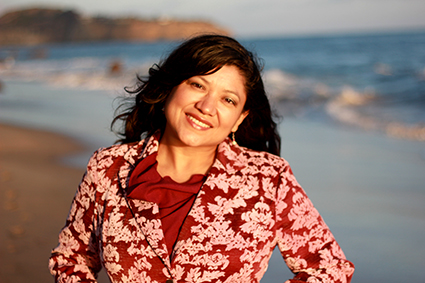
(76, 258)
(305, 241)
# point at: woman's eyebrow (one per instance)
(232, 92)
(204, 79)
(225, 90)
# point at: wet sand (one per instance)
(35, 192)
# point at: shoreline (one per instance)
(36, 192)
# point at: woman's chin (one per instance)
(199, 141)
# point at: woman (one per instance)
(195, 192)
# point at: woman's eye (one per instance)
(196, 85)
(229, 100)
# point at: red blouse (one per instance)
(174, 199)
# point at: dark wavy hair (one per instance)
(200, 55)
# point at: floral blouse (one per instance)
(249, 203)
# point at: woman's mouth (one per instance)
(197, 122)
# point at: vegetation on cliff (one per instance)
(37, 26)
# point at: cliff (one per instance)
(38, 26)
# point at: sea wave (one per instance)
(362, 109)
(295, 96)
(86, 73)
(358, 109)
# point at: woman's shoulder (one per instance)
(114, 152)
(262, 158)
(266, 164)
(129, 152)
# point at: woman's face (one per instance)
(203, 110)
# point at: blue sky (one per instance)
(254, 18)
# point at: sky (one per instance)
(259, 18)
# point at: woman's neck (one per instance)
(180, 163)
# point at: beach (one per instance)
(36, 192)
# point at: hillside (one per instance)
(37, 26)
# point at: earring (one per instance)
(233, 139)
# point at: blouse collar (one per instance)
(229, 156)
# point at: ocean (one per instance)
(375, 82)
(353, 125)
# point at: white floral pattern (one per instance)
(249, 203)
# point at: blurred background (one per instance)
(347, 79)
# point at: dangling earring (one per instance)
(233, 139)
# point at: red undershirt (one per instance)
(174, 199)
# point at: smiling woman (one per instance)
(200, 113)
(194, 60)
(179, 200)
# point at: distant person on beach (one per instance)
(196, 190)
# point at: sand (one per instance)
(36, 192)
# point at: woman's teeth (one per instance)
(199, 123)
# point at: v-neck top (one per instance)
(174, 199)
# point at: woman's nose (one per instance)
(207, 105)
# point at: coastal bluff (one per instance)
(39, 26)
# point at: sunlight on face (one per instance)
(203, 110)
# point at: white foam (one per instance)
(348, 108)
(282, 85)
(85, 73)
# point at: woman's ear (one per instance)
(240, 120)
